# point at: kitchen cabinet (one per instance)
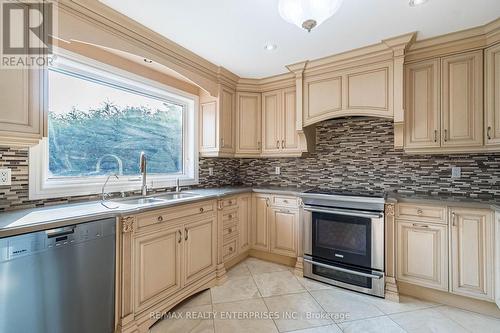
(444, 104)
(244, 221)
(472, 248)
(157, 266)
(283, 231)
(492, 95)
(260, 225)
(462, 100)
(217, 124)
(248, 128)
(422, 254)
(422, 105)
(271, 116)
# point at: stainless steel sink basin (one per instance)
(176, 196)
(140, 201)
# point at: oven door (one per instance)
(348, 237)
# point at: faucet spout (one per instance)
(144, 173)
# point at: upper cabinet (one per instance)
(492, 95)
(217, 124)
(444, 104)
(248, 124)
(365, 90)
(23, 110)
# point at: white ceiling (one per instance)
(232, 33)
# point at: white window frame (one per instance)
(42, 186)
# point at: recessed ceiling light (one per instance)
(270, 47)
(414, 3)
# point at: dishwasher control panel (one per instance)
(24, 245)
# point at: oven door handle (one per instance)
(340, 269)
(369, 215)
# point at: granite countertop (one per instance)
(36, 219)
(439, 198)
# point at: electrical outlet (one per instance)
(210, 171)
(5, 177)
(456, 172)
(277, 171)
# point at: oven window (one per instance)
(342, 238)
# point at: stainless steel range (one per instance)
(344, 239)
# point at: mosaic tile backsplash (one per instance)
(350, 153)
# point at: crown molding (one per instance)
(280, 81)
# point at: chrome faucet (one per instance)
(178, 186)
(144, 174)
(104, 194)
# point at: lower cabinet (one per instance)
(284, 236)
(260, 225)
(422, 254)
(200, 248)
(245, 221)
(472, 252)
(157, 266)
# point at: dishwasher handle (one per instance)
(60, 231)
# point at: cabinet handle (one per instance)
(283, 144)
(419, 211)
(435, 135)
(278, 144)
(202, 210)
(220, 205)
(284, 211)
(259, 144)
(230, 230)
(230, 249)
(420, 225)
(187, 234)
(267, 202)
(160, 218)
(488, 132)
(222, 142)
(445, 135)
(453, 219)
(180, 236)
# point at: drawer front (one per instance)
(230, 232)
(202, 209)
(229, 249)
(228, 203)
(230, 216)
(416, 212)
(285, 201)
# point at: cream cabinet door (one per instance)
(244, 221)
(271, 124)
(422, 105)
(283, 225)
(422, 254)
(156, 266)
(260, 225)
(472, 252)
(290, 138)
(208, 126)
(248, 118)
(492, 95)
(200, 248)
(462, 100)
(227, 121)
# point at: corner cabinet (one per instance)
(472, 252)
(260, 225)
(23, 115)
(248, 124)
(492, 96)
(217, 124)
(283, 231)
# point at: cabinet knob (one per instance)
(230, 230)
(285, 201)
(419, 211)
(160, 218)
(202, 210)
(230, 216)
(231, 249)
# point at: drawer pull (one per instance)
(230, 230)
(419, 211)
(202, 210)
(160, 218)
(230, 216)
(230, 202)
(420, 225)
(285, 201)
(231, 249)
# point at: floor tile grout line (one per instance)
(322, 308)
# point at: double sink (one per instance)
(153, 200)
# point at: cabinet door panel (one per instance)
(462, 100)
(422, 254)
(321, 97)
(244, 221)
(271, 126)
(472, 253)
(422, 105)
(369, 90)
(249, 123)
(157, 267)
(200, 248)
(492, 95)
(289, 130)
(260, 227)
(284, 232)
(227, 98)
(208, 123)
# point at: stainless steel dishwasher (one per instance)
(59, 281)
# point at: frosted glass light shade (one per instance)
(308, 14)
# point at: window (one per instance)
(100, 119)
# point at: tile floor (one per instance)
(262, 297)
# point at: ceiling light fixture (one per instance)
(270, 47)
(308, 14)
(414, 3)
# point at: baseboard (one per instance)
(462, 302)
(276, 258)
(236, 260)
